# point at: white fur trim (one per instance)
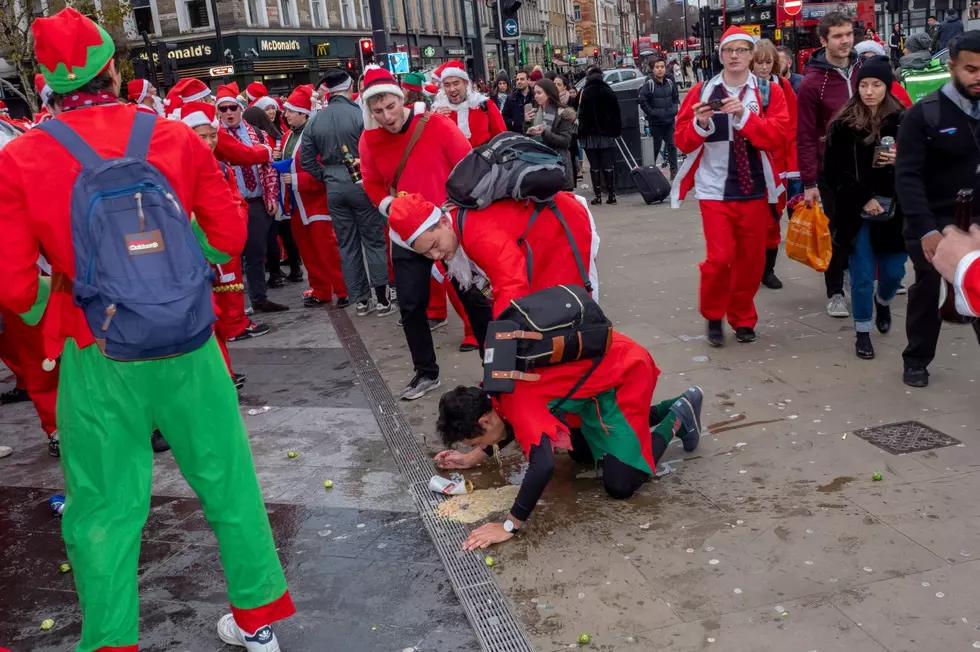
(429, 222)
(295, 108)
(198, 119)
(473, 101)
(396, 239)
(227, 100)
(374, 91)
(459, 73)
(197, 96)
(339, 88)
(962, 302)
(384, 207)
(146, 89)
(46, 94)
(737, 37)
(265, 102)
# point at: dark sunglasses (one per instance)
(225, 108)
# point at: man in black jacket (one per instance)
(659, 100)
(937, 157)
(514, 106)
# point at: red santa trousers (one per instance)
(229, 299)
(318, 248)
(22, 350)
(735, 235)
(437, 308)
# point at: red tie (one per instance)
(742, 155)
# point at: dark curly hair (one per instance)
(459, 414)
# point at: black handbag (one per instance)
(889, 205)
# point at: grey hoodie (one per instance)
(918, 46)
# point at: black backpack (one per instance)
(509, 166)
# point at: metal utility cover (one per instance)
(906, 437)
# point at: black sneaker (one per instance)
(771, 281)
(312, 302)
(916, 377)
(466, 347)
(343, 302)
(269, 306)
(744, 334)
(436, 324)
(252, 330)
(16, 395)
(239, 380)
(158, 443)
(54, 445)
(276, 281)
(688, 411)
(419, 387)
(863, 346)
(716, 337)
(295, 276)
(883, 317)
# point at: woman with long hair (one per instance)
(599, 125)
(569, 97)
(554, 124)
(860, 166)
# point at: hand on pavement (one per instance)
(929, 245)
(811, 196)
(452, 459)
(487, 535)
(954, 246)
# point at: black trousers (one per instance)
(834, 276)
(261, 227)
(619, 479)
(663, 135)
(412, 272)
(922, 320)
(285, 231)
(601, 159)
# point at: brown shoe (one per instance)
(269, 306)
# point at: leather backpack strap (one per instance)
(416, 134)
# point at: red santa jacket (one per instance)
(235, 152)
(967, 285)
(490, 240)
(786, 162)
(478, 118)
(310, 194)
(766, 133)
(36, 211)
(440, 147)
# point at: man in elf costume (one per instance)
(144, 95)
(612, 404)
(106, 407)
(306, 202)
(730, 166)
(475, 114)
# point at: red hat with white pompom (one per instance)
(454, 69)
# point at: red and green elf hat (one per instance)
(71, 49)
(413, 81)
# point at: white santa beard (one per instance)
(158, 105)
(460, 269)
(462, 117)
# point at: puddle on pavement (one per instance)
(835, 485)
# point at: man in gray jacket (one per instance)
(355, 219)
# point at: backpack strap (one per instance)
(140, 135)
(930, 110)
(578, 385)
(521, 241)
(571, 241)
(71, 141)
(460, 221)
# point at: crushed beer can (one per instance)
(456, 485)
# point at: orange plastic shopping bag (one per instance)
(808, 237)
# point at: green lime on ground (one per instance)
(292, 454)
(64, 568)
(876, 476)
(489, 561)
(47, 624)
(584, 638)
(328, 483)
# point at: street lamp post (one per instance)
(378, 35)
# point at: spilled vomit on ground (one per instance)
(477, 505)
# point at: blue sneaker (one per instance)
(688, 411)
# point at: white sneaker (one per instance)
(392, 294)
(263, 640)
(837, 307)
(5, 451)
(385, 309)
(362, 308)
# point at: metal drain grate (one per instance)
(906, 437)
(496, 627)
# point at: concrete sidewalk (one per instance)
(772, 535)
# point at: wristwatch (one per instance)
(510, 527)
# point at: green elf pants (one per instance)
(106, 410)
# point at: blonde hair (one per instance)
(765, 50)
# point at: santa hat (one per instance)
(173, 104)
(300, 100)
(137, 89)
(198, 114)
(71, 49)
(42, 89)
(437, 73)
(412, 215)
(430, 90)
(736, 33)
(190, 90)
(454, 69)
(3, 105)
(227, 94)
(256, 90)
(377, 81)
(413, 81)
(265, 102)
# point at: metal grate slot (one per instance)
(906, 437)
(496, 627)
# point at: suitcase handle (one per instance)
(625, 152)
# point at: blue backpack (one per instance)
(140, 274)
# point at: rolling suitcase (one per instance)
(650, 181)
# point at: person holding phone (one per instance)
(732, 140)
(859, 163)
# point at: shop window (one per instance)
(288, 14)
(255, 13)
(195, 14)
(318, 14)
(392, 16)
(348, 18)
(365, 15)
(143, 16)
(577, 12)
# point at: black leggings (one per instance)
(619, 479)
(601, 159)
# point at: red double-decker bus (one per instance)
(799, 32)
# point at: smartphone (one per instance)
(716, 104)
(876, 162)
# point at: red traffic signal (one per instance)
(350, 64)
(366, 44)
(367, 52)
(614, 53)
(595, 52)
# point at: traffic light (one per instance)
(696, 29)
(167, 65)
(595, 52)
(367, 52)
(508, 25)
(350, 65)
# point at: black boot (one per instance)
(768, 275)
(883, 317)
(863, 346)
(610, 175)
(596, 187)
(158, 443)
(716, 337)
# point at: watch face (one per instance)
(508, 525)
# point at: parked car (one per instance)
(619, 79)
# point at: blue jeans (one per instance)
(863, 263)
